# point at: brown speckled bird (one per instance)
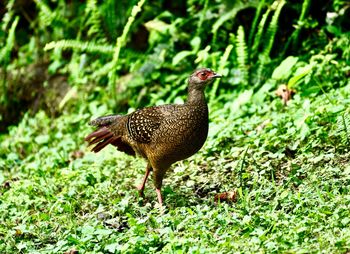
(161, 134)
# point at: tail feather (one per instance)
(97, 134)
(107, 136)
(103, 137)
(101, 144)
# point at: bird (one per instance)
(163, 134)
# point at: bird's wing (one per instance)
(142, 123)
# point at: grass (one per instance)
(292, 176)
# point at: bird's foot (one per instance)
(161, 208)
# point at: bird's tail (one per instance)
(105, 135)
(100, 138)
(105, 120)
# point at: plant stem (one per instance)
(121, 41)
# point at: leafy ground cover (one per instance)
(293, 188)
(286, 163)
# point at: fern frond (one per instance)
(8, 15)
(343, 127)
(255, 22)
(295, 36)
(346, 127)
(242, 53)
(272, 29)
(223, 62)
(94, 18)
(114, 16)
(45, 14)
(121, 41)
(5, 56)
(83, 46)
(257, 38)
(264, 58)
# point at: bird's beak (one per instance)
(215, 75)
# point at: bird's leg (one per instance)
(158, 176)
(141, 187)
(159, 196)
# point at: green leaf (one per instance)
(2, 178)
(242, 99)
(72, 93)
(112, 247)
(42, 139)
(157, 25)
(284, 70)
(181, 56)
(196, 43)
(302, 73)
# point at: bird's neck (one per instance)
(196, 97)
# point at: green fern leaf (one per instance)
(242, 53)
(83, 46)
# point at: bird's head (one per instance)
(201, 77)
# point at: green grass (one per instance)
(293, 184)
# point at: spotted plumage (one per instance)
(142, 124)
(161, 134)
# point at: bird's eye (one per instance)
(203, 75)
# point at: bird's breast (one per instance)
(181, 135)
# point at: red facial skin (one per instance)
(203, 75)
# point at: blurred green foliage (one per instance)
(65, 62)
(123, 51)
